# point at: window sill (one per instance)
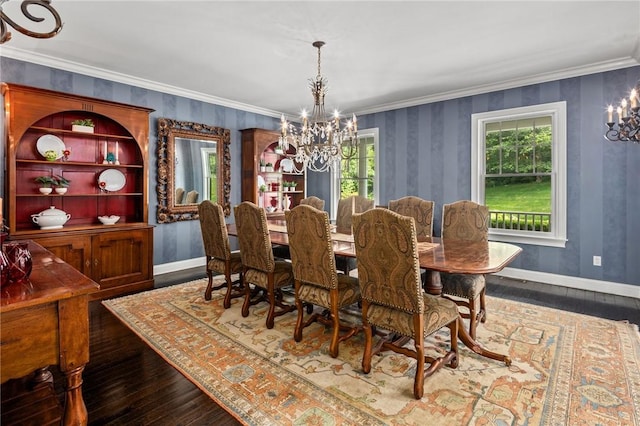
(527, 238)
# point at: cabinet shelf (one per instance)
(82, 134)
(80, 163)
(67, 195)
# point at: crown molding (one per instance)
(90, 71)
(75, 67)
(510, 84)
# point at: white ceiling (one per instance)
(379, 55)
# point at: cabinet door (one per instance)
(122, 257)
(74, 250)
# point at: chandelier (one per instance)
(628, 119)
(320, 142)
(46, 4)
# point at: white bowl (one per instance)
(109, 220)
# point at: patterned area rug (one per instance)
(568, 369)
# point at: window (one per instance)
(357, 176)
(518, 170)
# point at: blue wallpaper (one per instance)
(425, 151)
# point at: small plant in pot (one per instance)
(82, 125)
(269, 167)
(61, 185)
(263, 167)
(47, 182)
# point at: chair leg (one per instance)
(247, 299)
(368, 340)
(473, 318)
(208, 290)
(271, 297)
(418, 381)
(335, 335)
(483, 311)
(297, 333)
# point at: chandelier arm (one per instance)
(5, 35)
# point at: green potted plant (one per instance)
(263, 167)
(61, 185)
(269, 167)
(82, 125)
(47, 182)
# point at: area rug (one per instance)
(568, 369)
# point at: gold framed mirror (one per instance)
(193, 165)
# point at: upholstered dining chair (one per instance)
(346, 208)
(314, 201)
(192, 197)
(392, 295)
(420, 210)
(316, 279)
(466, 221)
(259, 266)
(218, 252)
(179, 195)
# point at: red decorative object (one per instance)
(20, 262)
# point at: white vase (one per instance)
(287, 202)
(61, 190)
(45, 191)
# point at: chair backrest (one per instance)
(253, 237)
(312, 257)
(314, 201)
(420, 210)
(214, 230)
(179, 195)
(192, 197)
(388, 264)
(347, 207)
(465, 221)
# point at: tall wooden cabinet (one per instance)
(259, 148)
(108, 174)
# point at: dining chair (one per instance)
(417, 208)
(314, 201)
(346, 209)
(466, 221)
(316, 279)
(259, 266)
(179, 195)
(192, 197)
(218, 252)
(392, 295)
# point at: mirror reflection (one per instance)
(193, 165)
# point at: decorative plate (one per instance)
(287, 165)
(111, 180)
(261, 181)
(50, 143)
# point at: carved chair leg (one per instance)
(207, 292)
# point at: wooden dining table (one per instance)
(436, 256)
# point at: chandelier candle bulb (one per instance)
(634, 98)
(610, 114)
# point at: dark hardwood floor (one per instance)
(127, 383)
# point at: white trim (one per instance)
(558, 112)
(180, 265)
(607, 287)
(50, 61)
(604, 66)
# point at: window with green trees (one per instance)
(357, 175)
(518, 176)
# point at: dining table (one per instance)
(435, 256)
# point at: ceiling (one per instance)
(379, 55)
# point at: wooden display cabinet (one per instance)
(259, 145)
(118, 257)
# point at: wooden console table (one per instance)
(45, 322)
